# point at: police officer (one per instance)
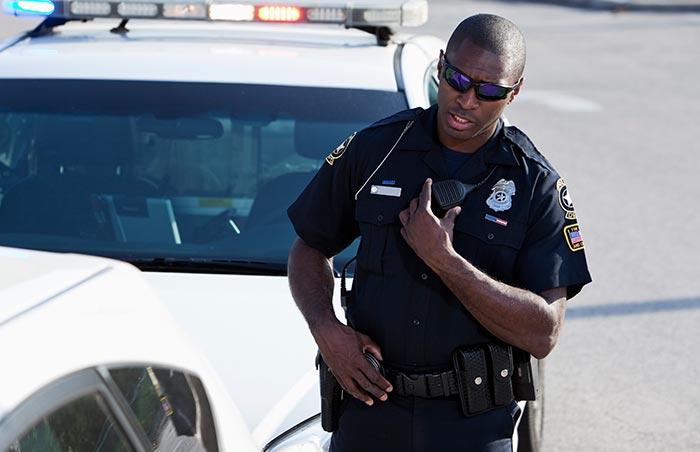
(498, 268)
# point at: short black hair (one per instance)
(494, 34)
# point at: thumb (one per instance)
(451, 216)
(368, 345)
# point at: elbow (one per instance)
(545, 342)
(543, 347)
(549, 330)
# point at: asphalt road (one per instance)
(611, 100)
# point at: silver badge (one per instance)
(501, 195)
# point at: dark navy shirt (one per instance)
(456, 159)
(519, 227)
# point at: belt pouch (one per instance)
(501, 361)
(472, 379)
(525, 376)
(331, 396)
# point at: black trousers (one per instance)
(412, 424)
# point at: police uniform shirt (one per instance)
(519, 226)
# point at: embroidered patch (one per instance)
(340, 150)
(496, 220)
(565, 200)
(572, 233)
(501, 195)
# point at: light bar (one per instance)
(386, 13)
(29, 7)
(327, 15)
(279, 14)
(231, 12)
(98, 9)
(129, 9)
(185, 11)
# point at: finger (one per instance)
(355, 390)
(425, 200)
(379, 381)
(374, 350)
(413, 205)
(368, 345)
(367, 383)
(451, 215)
(404, 217)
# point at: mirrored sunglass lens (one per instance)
(458, 81)
(492, 91)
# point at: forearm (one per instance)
(521, 318)
(311, 283)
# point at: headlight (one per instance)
(307, 436)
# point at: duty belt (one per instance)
(481, 377)
(442, 384)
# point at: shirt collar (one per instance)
(423, 137)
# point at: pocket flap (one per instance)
(491, 229)
(379, 211)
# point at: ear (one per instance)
(516, 91)
(439, 65)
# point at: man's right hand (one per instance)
(343, 351)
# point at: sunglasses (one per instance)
(460, 81)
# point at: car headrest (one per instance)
(88, 142)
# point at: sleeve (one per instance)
(323, 215)
(553, 254)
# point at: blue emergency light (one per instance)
(29, 7)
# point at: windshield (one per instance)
(168, 171)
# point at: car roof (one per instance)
(281, 54)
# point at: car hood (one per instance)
(256, 339)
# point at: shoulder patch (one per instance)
(565, 200)
(572, 233)
(340, 150)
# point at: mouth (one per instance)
(459, 122)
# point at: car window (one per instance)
(83, 425)
(164, 170)
(171, 407)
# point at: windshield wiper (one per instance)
(202, 265)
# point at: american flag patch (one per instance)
(572, 233)
(496, 220)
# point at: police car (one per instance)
(173, 136)
(93, 361)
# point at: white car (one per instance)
(177, 145)
(91, 360)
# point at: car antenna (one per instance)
(121, 28)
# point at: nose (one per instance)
(467, 100)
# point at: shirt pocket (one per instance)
(489, 245)
(380, 248)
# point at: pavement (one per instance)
(658, 6)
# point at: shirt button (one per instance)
(380, 217)
(490, 236)
(416, 322)
(424, 276)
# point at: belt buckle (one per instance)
(414, 385)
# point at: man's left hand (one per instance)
(427, 234)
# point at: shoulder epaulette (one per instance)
(404, 115)
(526, 146)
